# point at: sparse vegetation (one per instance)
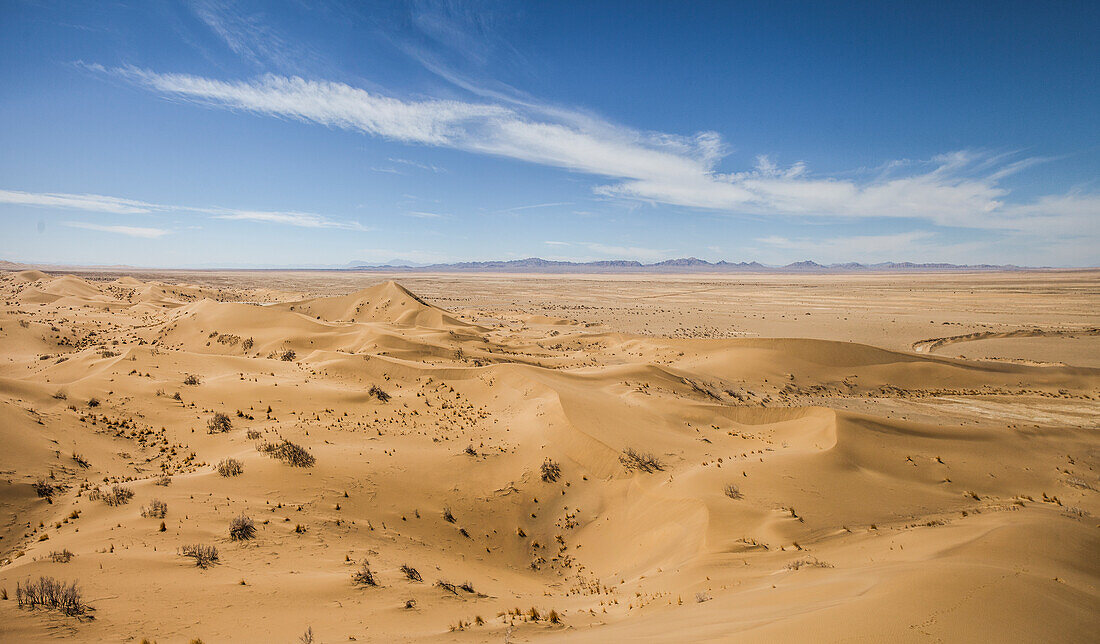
(50, 593)
(156, 509)
(289, 453)
(242, 528)
(551, 471)
(192, 380)
(204, 555)
(411, 573)
(62, 556)
(115, 496)
(448, 516)
(253, 434)
(733, 492)
(93, 402)
(219, 423)
(80, 460)
(44, 489)
(364, 576)
(230, 467)
(163, 481)
(643, 461)
(377, 392)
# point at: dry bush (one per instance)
(50, 593)
(551, 471)
(230, 467)
(60, 395)
(192, 380)
(634, 460)
(364, 576)
(44, 489)
(448, 516)
(288, 452)
(62, 556)
(242, 528)
(470, 450)
(252, 434)
(553, 617)
(115, 496)
(93, 402)
(411, 572)
(733, 492)
(447, 586)
(163, 481)
(204, 555)
(306, 637)
(219, 423)
(377, 392)
(81, 461)
(156, 509)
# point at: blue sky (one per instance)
(283, 134)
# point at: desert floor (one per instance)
(895, 457)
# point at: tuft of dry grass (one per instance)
(156, 509)
(192, 380)
(204, 555)
(242, 528)
(377, 392)
(643, 461)
(62, 556)
(288, 452)
(230, 467)
(219, 423)
(551, 471)
(411, 573)
(364, 576)
(733, 492)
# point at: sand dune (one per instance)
(642, 488)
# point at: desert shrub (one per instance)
(242, 528)
(80, 460)
(177, 397)
(634, 460)
(62, 556)
(156, 509)
(93, 402)
(50, 593)
(192, 380)
(252, 434)
(470, 451)
(411, 572)
(377, 392)
(551, 471)
(117, 495)
(306, 637)
(247, 344)
(364, 576)
(163, 481)
(448, 516)
(44, 489)
(287, 355)
(733, 492)
(468, 587)
(60, 395)
(447, 586)
(204, 555)
(230, 467)
(219, 423)
(292, 454)
(553, 617)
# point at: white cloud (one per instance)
(94, 203)
(424, 215)
(958, 189)
(129, 231)
(120, 206)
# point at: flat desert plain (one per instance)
(251, 456)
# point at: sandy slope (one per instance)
(805, 490)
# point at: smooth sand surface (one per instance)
(651, 458)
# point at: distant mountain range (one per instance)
(681, 265)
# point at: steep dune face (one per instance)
(388, 302)
(642, 488)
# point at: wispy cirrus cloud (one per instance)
(123, 206)
(129, 231)
(958, 189)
